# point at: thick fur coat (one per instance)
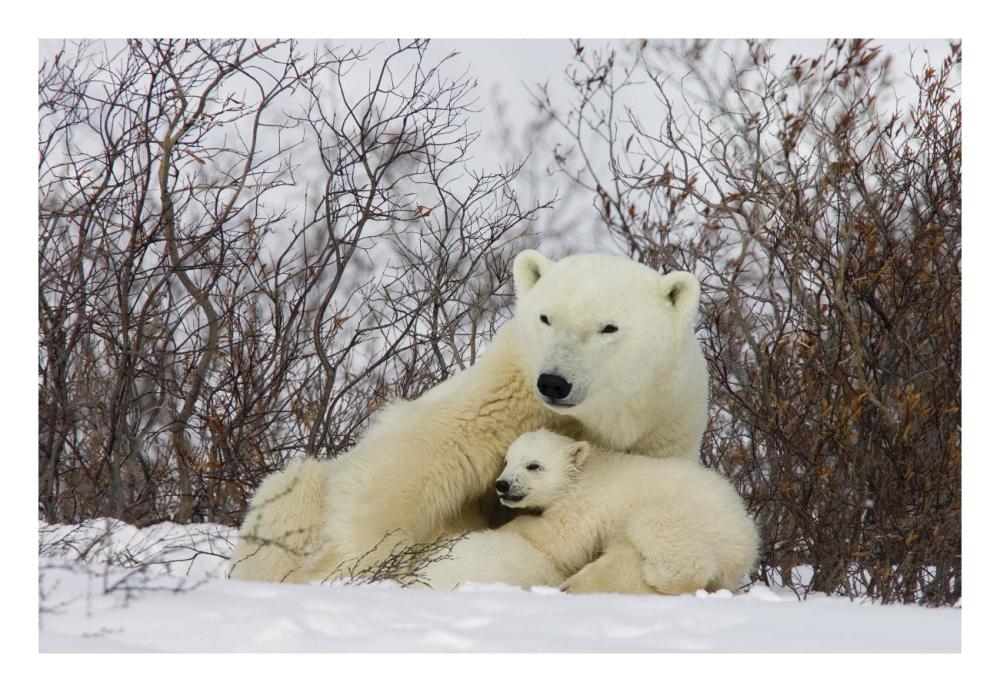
(654, 525)
(615, 335)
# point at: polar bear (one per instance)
(654, 525)
(600, 347)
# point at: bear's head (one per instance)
(596, 329)
(541, 466)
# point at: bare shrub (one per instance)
(244, 249)
(824, 220)
(404, 563)
(106, 557)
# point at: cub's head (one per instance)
(595, 329)
(541, 466)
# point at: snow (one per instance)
(108, 587)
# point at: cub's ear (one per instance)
(529, 265)
(578, 451)
(681, 290)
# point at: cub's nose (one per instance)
(553, 386)
(503, 486)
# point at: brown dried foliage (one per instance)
(824, 220)
(215, 217)
(244, 249)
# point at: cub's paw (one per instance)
(587, 580)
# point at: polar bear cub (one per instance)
(654, 525)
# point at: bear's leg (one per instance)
(282, 524)
(677, 556)
(327, 563)
(331, 561)
(354, 545)
(492, 556)
(618, 570)
(673, 576)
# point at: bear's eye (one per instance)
(544, 319)
(533, 467)
(609, 329)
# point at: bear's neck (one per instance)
(669, 421)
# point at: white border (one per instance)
(505, 19)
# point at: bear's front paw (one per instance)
(584, 581)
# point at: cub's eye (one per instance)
(544, 319)
(533, 467)
(609, 329)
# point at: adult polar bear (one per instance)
(600, 347)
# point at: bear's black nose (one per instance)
(553, 386)
(503, 486)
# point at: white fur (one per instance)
(493, 556)
(283, 523)
(643, 388)
(654, 525)
(426, 467)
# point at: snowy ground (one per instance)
(109, 587)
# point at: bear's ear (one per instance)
(529, 265)
(578, 451)
(681, 290)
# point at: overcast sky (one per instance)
(504, 66)
(507, 68)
